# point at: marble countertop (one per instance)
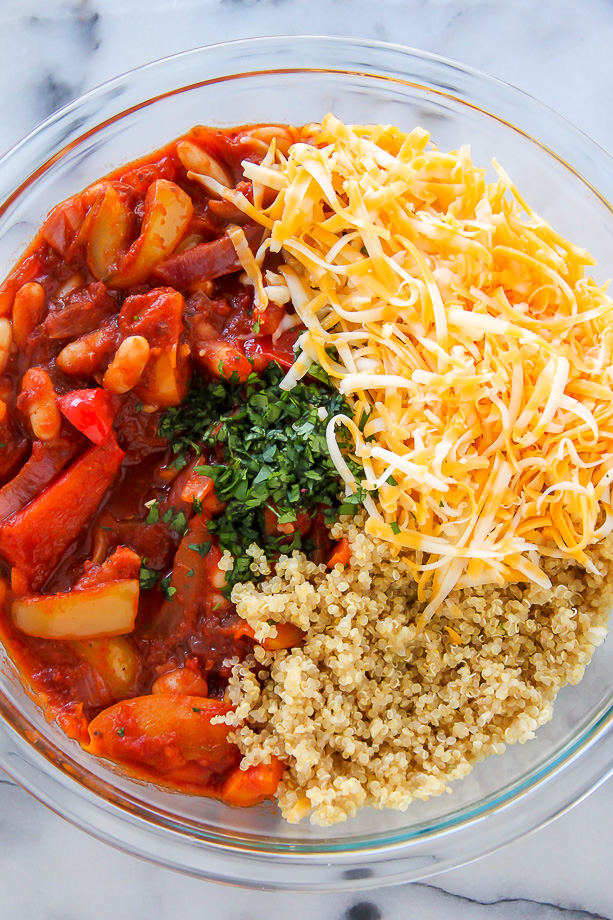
(53, 50)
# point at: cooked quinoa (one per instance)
(372, 711)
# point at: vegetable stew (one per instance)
(144, 439)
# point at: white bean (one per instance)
(40, 404)
(126, 368)
(28, 309)
(195, 159)
(6, 337)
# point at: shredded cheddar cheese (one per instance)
(474, 349)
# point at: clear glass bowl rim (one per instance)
(546, 793)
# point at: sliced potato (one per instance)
(163, 384)
(109, 234)
(103, 610)
(168, 210)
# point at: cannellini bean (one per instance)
(194, 239)
(265, 134)
(87, 355)
(39, 402)
(195, 159)
(126, 368)
(28, 309)
(75, 281)
(6, 337)
(115, 661)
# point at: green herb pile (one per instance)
(275, 457)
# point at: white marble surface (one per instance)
(52, 50)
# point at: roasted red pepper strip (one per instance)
(171, 734)
(35, 539)
(91, 412)
(45, 462)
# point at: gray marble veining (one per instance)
(51, 51)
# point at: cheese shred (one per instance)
(469, 340)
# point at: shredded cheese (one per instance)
(475, 351)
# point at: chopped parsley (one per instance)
(167, 588)
(200, 548)
(121, 732)
(275, 458)
(148, 577)
(176, 519)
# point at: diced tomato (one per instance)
(91, 412)
(263, 350)
(122, 564)
(288, 636)
(341, 554)
(253, 785)
(141, 177)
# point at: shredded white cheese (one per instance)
(465, 333)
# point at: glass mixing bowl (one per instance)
(569, 180)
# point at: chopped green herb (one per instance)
(179, 522)
(197, 506)
(395, 527)
(364, 418)
(148, 577)
(200, 548)
(2, 444)
(196, 709)
(190, 573)
(167, 588)
(154, 514)
(275, 458)
(139, 406)
(256, 326)
(121, 732)
(176, 519)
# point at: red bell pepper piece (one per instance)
(35, 539)
(91, 412)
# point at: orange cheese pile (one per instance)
(475, 352)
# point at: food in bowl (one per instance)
(306, 466)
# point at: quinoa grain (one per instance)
(370, 710)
